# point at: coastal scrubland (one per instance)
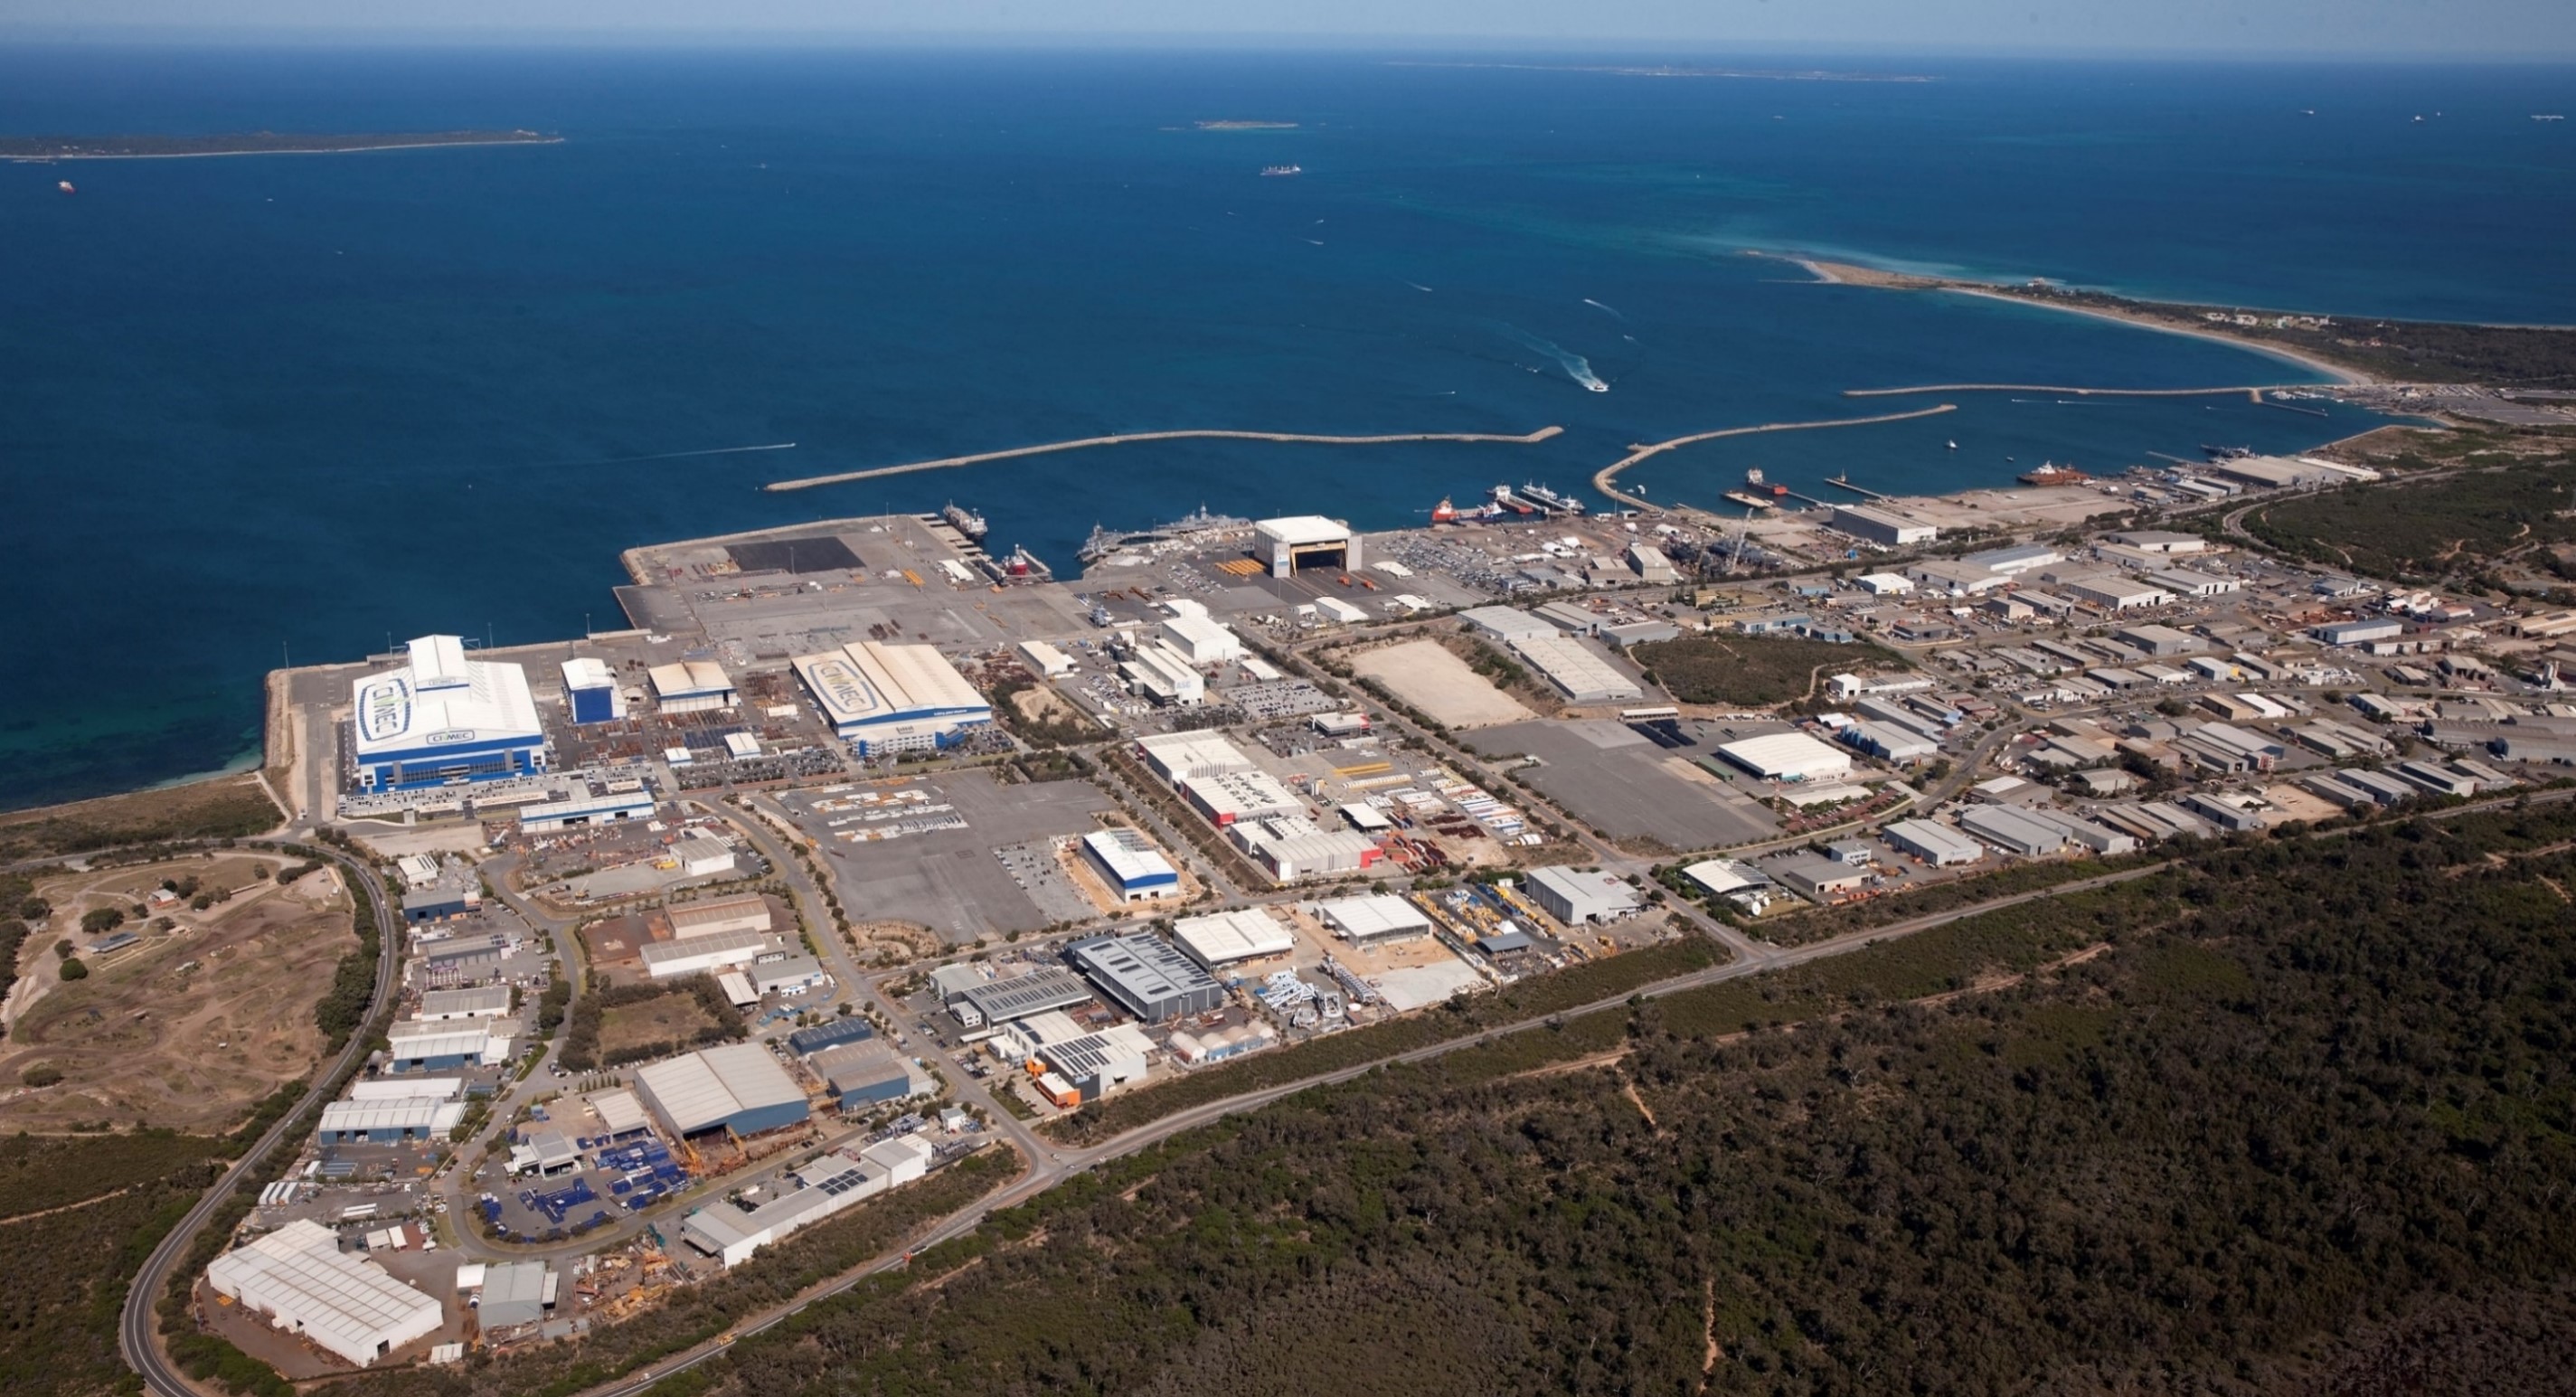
(2406, 351)
(227, 808)
(77, 1216)
(1752, 670)
(2464, 508)
(2296, 1116)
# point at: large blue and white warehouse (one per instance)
(893, 698)
(738, 1087)
(1136, 870)
(442, 719)
(590, 690)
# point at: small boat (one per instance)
(1281, 171)
(1954, 446)
(65, 186)
(1445, 513)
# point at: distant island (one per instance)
(1247, 126)
(248, 143)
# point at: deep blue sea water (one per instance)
(259, 407)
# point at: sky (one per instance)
(2518, 29)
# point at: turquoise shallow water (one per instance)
(291, 405)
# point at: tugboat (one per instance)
(1025, 566)
(966, 521)
(1446, 513)
(65, 186)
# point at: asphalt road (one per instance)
(137, 1330)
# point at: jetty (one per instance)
(1606, 479)
(1844, 482)
(981, 457)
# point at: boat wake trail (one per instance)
(1575, 365)
(677, 455)
(1418, 286)
(1596, 305)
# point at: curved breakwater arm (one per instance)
(1606, 479)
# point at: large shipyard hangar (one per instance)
(443, 719)
(1305, 541)
(893, 698)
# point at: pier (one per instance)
(1844, 482)
(979, 458)
(1606, 479)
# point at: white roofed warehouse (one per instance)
(1305, 541)
(1576, 898)
(1377, 917)
(1221, 938)
(443, 719)
(738, 1088)
(299, 1278)
(1577, 670)
(1787, 756)
(1134, 868)
(691, 686)
(1879, 526)
(893, 698)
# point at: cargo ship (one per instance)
(1758, 492)
(965, 521)
(1536, 499)
(2051, 473)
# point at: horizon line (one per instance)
(663, 38)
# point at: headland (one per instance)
(2352, 350)
(166, 147)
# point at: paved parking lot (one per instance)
(952, 880)
(1615, 780)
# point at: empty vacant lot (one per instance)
(1423, 673)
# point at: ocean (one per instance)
(294, 407)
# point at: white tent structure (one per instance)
(305, 1284)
